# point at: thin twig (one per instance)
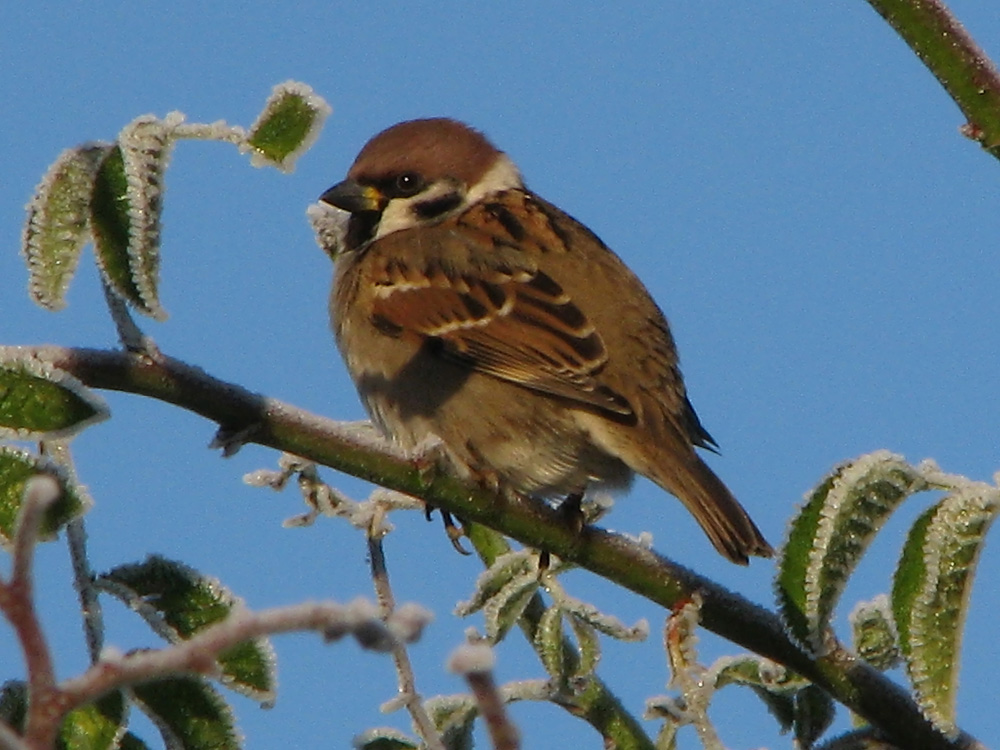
(198, 654)
(129, 334)
(404, 669)
(475, 661)
(83, 577)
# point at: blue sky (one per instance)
(787, 178)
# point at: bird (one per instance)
(472, 312)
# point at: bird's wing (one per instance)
(513, 323)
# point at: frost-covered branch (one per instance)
(621, 560)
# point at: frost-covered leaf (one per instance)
(329, 225)
(190, 714)
(930, 594)
(185, 602)
(288, 125)
(674, 715)
(607, 624)
(16, 468)
(814, 711)
(549, 642)
(38, 401)
(773, 683)
(96, 726)
(830, 534)
(503, 611)
(459, 736)
(146, 145)
(109, 221)
(874, 632)
(491, 581)
(125, 211)
(58, 223)
(588, 646)
(453, 715)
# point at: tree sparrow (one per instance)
(470, 310)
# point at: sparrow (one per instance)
(472, 312)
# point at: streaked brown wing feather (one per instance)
(516, 325)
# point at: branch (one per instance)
(950, 53)
(271, 423)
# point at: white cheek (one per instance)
(398, 214)
(503, 175)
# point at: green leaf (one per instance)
(109, 219)
(814, 711)
(603, 623)
(58, 224)
(491, 581)
(189, 713)
(874, 633)
(588, 646)
(549, 643)
(773, 683)
(831, 533)
(186, 602)
(453, 715)
(288, 125)
(16, 468)
(930, 596)
(503, 611)
(146, 145)
(38, 401)
(125, 209)
(96, 726)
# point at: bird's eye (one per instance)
(407, 184)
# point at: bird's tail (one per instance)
(723, 519)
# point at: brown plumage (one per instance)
(470, 309)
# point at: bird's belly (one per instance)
(494, 432)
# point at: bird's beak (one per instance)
(354, 197)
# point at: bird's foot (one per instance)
(452, 529)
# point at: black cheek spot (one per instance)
(436, 207)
